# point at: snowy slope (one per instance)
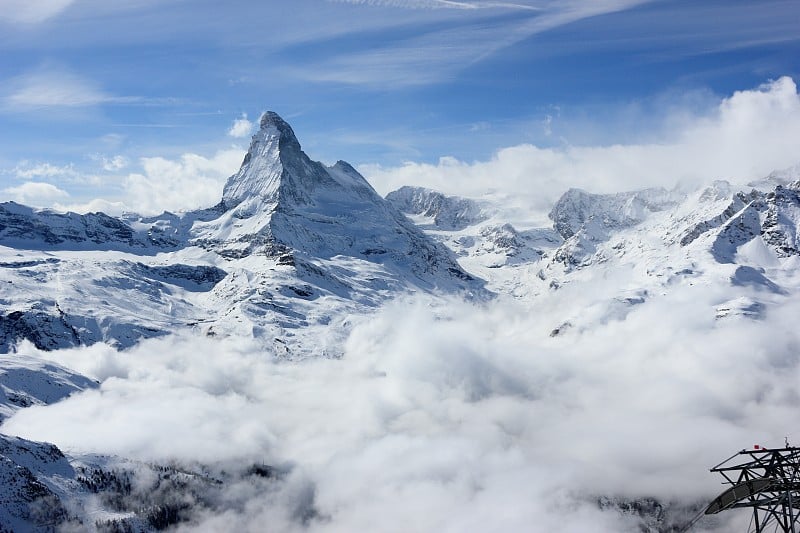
(627, 248)
(292, 244)
(68, 298)
(585, 219)
(743, 245)
(35, 477)
(30, 473)
(44, 229)
(26, 380)
(478, 231)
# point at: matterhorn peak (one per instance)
(274, 124)
(283, 204)
(274, 168)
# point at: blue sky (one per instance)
(98, 98)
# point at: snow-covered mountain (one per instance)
(31, 476)
(585, 219)
(742, 242)
(713, 235)
(28, 228)
(27, 381)
(473, 228)
(445, 212)
(296, 255)
(292, 244)
(281, 204)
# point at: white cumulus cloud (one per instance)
(149, 186)
(117, 162)
(190, 182)
(35, 193)
(241, 127)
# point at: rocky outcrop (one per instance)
(447, 212)
(44, 229)
(609, 211)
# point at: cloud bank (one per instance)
(190, 182)
(159, 184)
(448, 416)
(748, 135)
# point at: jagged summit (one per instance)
(280, 201)
(276, 172)
(271, 119)
(326, 222)
(274, 149)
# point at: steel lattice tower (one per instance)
(766, 481)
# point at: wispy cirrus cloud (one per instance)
(56, 87)
(51, 88)
(31, 12)
(438, 54)
(444, 4)
(28, 170)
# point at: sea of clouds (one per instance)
(444, 415)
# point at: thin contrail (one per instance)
(434, 4)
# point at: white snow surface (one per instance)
(27, 380)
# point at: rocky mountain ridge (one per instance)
(288, 234)
(714, 234)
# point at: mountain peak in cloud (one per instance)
(273, 167)
(282, 203)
